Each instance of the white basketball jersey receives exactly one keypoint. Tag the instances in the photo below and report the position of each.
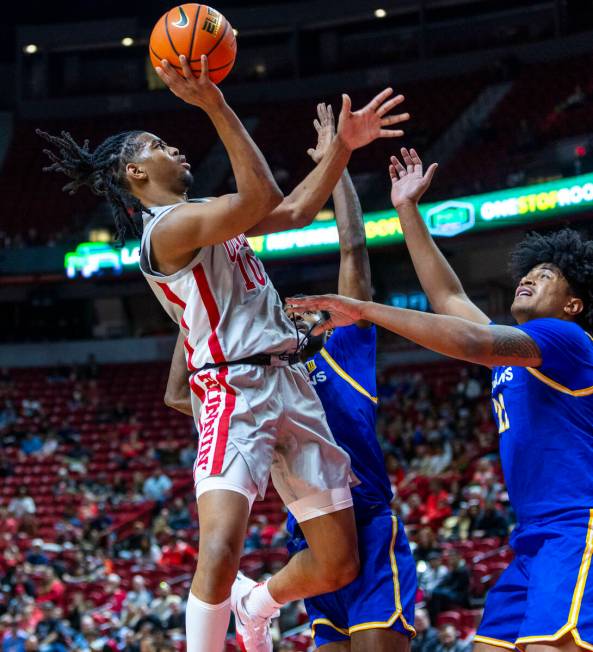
(223, 300)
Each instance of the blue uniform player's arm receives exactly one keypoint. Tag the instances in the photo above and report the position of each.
(451, 336)
(178, 393)
(355, 270)
(442, 286)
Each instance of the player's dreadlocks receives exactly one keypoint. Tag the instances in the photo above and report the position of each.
(570, 253)
(103, 171)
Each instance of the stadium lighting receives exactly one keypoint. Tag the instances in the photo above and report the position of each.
(235, 32)
(380, 13)
(30, 49)
(127, 41)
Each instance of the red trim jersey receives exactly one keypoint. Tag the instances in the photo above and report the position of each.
(223, 300)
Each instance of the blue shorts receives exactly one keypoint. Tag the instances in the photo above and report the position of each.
(381, 597)
(547, 590)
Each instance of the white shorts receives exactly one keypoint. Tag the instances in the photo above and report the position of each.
(273, 420)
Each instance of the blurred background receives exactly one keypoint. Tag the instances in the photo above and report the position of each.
(98, 531)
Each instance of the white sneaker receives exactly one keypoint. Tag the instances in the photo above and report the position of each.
(253, 632)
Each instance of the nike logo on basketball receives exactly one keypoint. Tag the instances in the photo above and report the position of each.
(183, 20)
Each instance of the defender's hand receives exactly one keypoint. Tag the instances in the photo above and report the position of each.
(198, 91)
(325, 127)
(343, 311)
(369, 123)
(409, 183)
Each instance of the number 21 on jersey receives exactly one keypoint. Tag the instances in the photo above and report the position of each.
(501, 414)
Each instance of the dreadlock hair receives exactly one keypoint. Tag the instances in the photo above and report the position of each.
(103, 171)
(572, 255)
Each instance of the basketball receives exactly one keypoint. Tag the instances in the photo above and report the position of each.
(193, 30)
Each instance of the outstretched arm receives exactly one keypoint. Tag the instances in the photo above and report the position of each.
(438, 280)
(355, 129)
(191, 226)
(451, 336)
(178, 393)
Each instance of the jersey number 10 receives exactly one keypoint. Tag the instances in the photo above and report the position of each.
(501, 414)
(247, 259)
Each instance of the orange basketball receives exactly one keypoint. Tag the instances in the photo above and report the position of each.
(193, 30)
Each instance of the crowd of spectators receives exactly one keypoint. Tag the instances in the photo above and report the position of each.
(92, 584)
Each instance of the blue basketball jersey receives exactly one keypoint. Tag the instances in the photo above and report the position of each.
(545, 422)
(344, 376)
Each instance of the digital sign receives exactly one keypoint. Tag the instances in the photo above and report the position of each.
(528, 206)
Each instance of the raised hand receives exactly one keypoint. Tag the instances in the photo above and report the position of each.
(343, 311)
(409, 183)
(198, 91)
(359, 128)
(325, 126)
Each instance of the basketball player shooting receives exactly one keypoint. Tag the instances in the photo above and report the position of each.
(376, 610)
(542, 394)
(252, 401)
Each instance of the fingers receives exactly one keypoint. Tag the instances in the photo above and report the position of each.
(408, 161)
(416, 160)
(432, 168)
(320, 328)
(394, 119)
(397, 166)
(204, 67)
(304, 302)
(185, 68)
(317, 126)
(390, 133)
(346, 105)
(389, 105)
(322, 113)
(311, 152)
(378, 100)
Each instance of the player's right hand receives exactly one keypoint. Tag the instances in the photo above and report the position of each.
(409, 183)
(359, 128)
(197, 91)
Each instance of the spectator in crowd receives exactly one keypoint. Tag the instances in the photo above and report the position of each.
(179, 518)
(36, 556)
(426, 638)
(431, 573)
(453, 589)
(8, 523)
(449, 640)
(51, 588)
(114, 596)
(31, 444)
(31, 407)
(425, 544)
(139, 596)
(67, 433)
(187, 456)
(178, 553)
(21, 504)
(53, 634)
(157, 487)
(14, 637)
(161, 605)
(491, 522)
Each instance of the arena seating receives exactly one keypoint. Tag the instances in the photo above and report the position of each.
(534, 113)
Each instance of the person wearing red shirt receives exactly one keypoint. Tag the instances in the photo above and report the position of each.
(52, 589)
(179, 553)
